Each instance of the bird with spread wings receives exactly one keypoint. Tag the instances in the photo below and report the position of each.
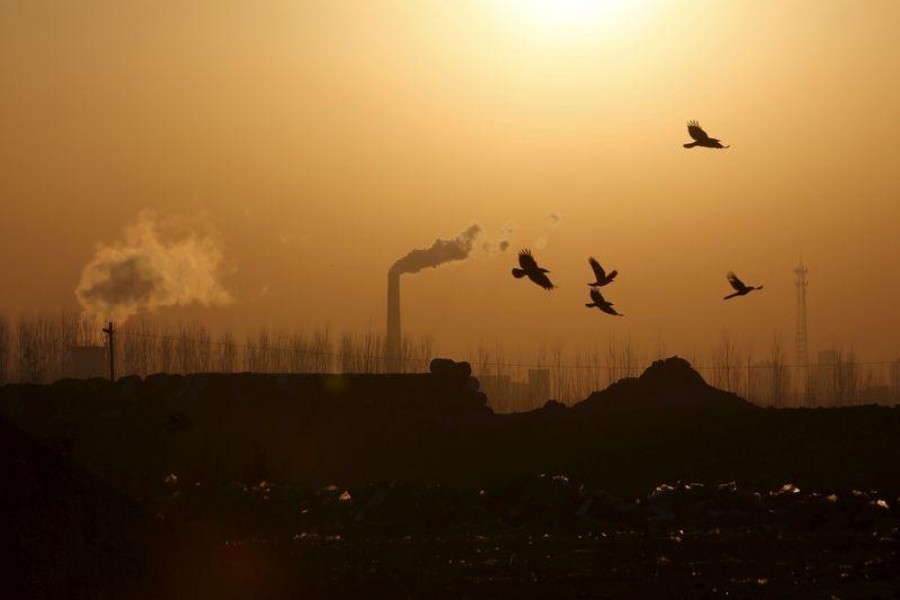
(741, 289)
(531, 270)
(700, 137)
(602, 277)
(602, 303)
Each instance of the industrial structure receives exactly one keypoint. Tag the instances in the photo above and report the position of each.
(393, 338)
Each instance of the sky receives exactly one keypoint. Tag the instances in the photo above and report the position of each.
(300, 148)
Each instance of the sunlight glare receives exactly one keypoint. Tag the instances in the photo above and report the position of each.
(573, 19)
(571, 12)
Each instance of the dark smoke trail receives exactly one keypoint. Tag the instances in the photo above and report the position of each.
(440, 252)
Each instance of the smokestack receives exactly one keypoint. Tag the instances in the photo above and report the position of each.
(392, 348)
(440, 252)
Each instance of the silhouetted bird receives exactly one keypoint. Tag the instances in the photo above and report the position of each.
(741, 288)
(531, 270)
(701, 138)
(600, 274)
(600, 302)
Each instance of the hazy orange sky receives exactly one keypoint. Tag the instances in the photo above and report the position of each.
(320, 141)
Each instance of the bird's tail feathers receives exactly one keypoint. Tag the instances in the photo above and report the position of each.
(691, 145)
(731, 296)
(590, 305)
(518, 273)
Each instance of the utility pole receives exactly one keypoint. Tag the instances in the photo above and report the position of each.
(111, 351)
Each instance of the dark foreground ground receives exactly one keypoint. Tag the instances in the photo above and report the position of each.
(247, 489)
(543, 537)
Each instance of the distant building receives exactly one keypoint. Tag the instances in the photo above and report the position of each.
(876, 394)
(506, 395)
(88, 361)
(539, 385)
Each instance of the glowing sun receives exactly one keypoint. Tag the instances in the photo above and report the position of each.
(573, 13)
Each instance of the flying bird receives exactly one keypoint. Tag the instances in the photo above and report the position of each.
(602, 277)
(741, 289)
(701, 138)
(531, 270)
(602, 303)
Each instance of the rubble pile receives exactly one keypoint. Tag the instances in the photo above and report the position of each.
(668, 383)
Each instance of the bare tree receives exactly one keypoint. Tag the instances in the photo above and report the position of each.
(426, 351)
(845, 379)
(660, 348)
(321, 350)
(558, 378)
(300, 360)
(228, 359)
(895, 382)
(612, 361)
(346, 354)
(726, 364)
(5, 367)
(778, 379)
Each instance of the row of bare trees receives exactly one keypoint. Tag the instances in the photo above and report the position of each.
(37, 349)
(837, 378)
(193, 349)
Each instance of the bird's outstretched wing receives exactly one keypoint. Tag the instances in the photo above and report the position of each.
(598, 270)
(735, 282)
(542, 280)
(597, 297)
(696, 132)
(608, 309)
(526, 260)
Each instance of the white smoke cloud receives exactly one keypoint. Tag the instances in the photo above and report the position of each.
(144, 272)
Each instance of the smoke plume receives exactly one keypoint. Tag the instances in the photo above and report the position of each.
(440, 252)
(500, 243)
(553, 219)
(145, 272)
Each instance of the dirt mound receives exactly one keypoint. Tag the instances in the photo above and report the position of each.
(669, 383)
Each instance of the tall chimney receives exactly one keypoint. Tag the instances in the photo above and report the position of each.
(392, 346)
